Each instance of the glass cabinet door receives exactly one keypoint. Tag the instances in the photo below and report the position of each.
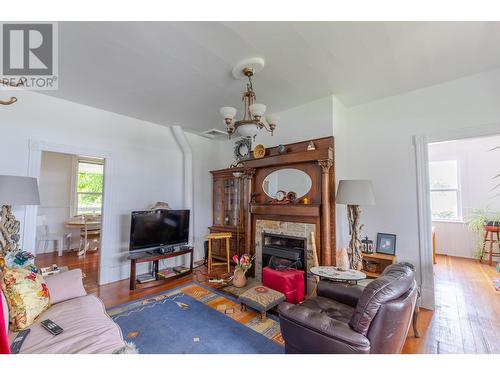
(218, 194)
(231, 201)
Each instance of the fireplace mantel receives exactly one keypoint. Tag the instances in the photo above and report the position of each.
(286, 209)
(320, 210)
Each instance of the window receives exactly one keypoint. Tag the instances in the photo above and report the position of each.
(89, 186)
(445, 193)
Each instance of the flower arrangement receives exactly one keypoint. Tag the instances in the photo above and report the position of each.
(244, 262)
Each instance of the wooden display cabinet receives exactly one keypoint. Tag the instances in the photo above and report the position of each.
(230, 204)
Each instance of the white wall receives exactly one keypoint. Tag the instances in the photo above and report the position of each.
(208, 155)
(55, 193)
(146, 162)
(374, 141)
(477, 166)
(307, 121)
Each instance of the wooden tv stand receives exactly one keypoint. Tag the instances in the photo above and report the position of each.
(155, 256)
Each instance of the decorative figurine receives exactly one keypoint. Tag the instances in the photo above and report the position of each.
(367, 246)
(281, 149)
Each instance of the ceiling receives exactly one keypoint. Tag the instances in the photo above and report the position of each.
(180, 72)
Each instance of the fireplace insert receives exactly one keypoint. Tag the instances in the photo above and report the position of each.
(292, 250)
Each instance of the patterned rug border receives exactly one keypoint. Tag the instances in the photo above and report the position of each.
(138, 301)
(169, 291)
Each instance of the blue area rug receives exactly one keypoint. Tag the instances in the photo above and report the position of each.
(191, 319)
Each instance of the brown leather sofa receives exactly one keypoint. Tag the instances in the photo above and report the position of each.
(346, 318)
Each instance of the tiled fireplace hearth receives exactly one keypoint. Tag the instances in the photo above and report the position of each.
(301, 230)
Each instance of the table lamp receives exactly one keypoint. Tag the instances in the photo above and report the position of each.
(14, 191)
(355, 193)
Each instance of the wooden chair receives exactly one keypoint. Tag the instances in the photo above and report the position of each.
(90, 233)
(490, 230)
(219, 236)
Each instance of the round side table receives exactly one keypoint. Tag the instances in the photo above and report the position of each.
(332, 273)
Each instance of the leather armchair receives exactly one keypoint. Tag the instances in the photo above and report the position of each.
(346, 318)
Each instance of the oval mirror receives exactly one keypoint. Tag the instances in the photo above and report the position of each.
(287, 180)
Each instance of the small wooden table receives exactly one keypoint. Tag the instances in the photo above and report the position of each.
(155, 257)
(332, 273)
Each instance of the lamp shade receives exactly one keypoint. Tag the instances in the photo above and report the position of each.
(227, 112)
(355, 192)
(272, 119)
(257, 109)
(247, 130)
(19, 191)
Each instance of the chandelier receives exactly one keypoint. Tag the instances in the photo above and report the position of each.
(253, 114)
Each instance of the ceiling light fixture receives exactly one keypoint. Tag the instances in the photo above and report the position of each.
(253, 114)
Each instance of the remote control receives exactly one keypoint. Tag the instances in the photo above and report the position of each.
(52, 327)
(15, 347)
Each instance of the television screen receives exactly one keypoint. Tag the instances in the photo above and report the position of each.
(159, 228)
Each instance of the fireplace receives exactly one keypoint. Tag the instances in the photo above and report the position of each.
(285, 247)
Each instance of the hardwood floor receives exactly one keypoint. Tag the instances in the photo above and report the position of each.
(466, 319)
(88, 264)
(467, 315)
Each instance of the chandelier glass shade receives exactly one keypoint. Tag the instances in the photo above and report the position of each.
(253, 114)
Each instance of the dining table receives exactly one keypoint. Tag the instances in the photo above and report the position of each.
(79, 223)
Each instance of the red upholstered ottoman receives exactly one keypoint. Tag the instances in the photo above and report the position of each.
(289, 282)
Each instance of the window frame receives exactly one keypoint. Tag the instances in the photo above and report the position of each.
(457, 190)
(74, 182)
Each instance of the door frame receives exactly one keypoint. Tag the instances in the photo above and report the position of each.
(421, 143)
(36, 147)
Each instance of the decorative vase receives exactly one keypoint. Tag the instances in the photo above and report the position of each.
(239, 279)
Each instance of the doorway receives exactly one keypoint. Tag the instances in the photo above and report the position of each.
(36, 150)
(421, 143)
(68, 227)
(464, 180)
(458, 195)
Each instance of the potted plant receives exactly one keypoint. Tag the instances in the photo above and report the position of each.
(243, 264)
(477, 221)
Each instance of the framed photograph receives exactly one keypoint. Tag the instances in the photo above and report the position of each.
(386, 243)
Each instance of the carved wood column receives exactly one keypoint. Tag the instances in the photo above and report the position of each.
(249, 173)
(326, 249)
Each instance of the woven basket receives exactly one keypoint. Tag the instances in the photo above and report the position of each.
(370, 266)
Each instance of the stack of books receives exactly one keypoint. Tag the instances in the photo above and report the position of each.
(166, 273)
(181, 269)
(144, 278)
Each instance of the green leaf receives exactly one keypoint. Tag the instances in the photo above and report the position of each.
(90, 182)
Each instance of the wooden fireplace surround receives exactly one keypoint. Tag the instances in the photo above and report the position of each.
(319, 165)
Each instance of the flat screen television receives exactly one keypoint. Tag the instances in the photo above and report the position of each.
(157, 228)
